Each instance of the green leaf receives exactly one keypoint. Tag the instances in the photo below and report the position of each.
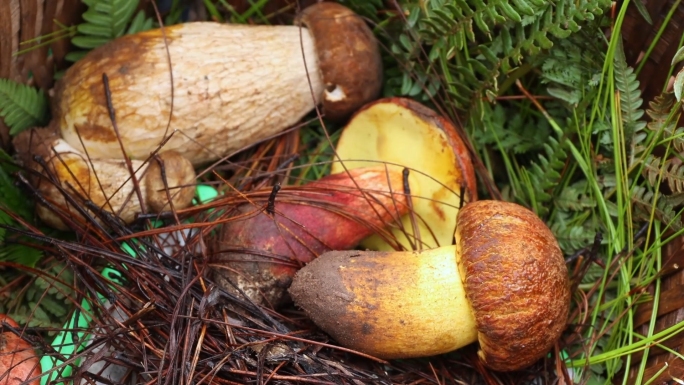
(21, 254)
(678, 85)
(21, 106)
(641, 7)
(105, 20)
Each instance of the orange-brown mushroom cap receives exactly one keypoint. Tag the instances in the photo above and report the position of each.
(516, 281)
(348, 57)
(18, 360)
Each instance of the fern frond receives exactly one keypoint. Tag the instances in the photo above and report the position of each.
(22, 106)
(572, 232)
(630, 94)
(106, 20)
(665, 212)
(664, 120)
(510, 130)
(523, 29)
(672, 171)
(544, 174)
(575, 198)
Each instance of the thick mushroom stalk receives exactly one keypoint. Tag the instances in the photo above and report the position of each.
(504, 284)
(165, 182)
(233, 85)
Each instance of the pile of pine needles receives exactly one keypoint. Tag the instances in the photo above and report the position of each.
(163, 321)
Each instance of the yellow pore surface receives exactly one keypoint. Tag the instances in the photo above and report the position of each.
(391, 133)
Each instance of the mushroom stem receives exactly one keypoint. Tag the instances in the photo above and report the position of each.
(388, 301)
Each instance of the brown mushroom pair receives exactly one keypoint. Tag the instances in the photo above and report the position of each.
(206, 90)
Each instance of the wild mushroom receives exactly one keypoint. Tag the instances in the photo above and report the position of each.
(18, 360)
(258, 252)
(62, 170)
(233, 85)
(504, 283)
(405, 134)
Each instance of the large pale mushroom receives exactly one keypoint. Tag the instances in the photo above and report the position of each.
(199, 91)
(233, 85)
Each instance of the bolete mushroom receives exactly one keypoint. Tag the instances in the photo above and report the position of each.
(258, 252)
(504, 283)
(233, 85)
(18, 360)
(403, 133)
(107, 183)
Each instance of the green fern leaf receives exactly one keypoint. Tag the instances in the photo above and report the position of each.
(575, 198)
(664, 211)
(22, 106)
(630, 94)
(572, 232)
(106, 20)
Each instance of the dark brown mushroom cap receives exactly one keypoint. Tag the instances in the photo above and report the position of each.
(516, 281)
(348, 57)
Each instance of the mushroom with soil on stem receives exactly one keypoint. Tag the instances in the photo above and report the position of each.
(18, 360)
(405, 134)
(504, 283)
(258, 252)
(233, 85)
(66, 178)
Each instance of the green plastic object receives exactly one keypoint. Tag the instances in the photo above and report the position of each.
(74, 337)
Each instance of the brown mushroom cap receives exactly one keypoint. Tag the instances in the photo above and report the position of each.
(348, 57)
(516, 281)
(18, 360)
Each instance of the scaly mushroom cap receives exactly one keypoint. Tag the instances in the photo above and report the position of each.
(516, 281)
(348, 57)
